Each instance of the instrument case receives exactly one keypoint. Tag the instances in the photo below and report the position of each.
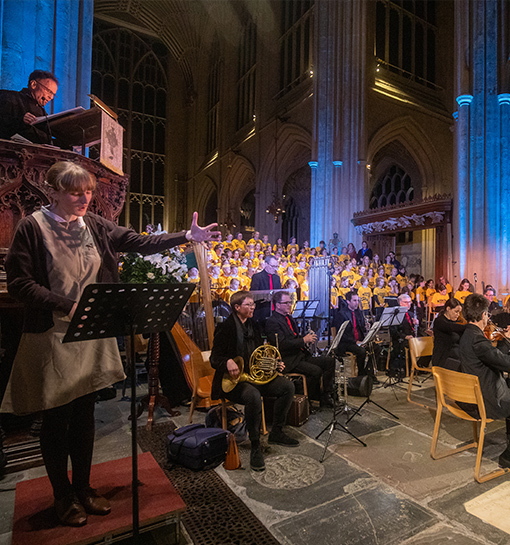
(197, 447)
(299, 410)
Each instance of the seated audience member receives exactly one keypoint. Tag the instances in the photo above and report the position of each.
(447, 334)
(237, 336)
(478, 357)
(282, 331)
(354, 333)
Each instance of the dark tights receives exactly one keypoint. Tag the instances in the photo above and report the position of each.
(68, 431)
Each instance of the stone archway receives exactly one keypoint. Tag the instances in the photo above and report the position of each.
(297, 191)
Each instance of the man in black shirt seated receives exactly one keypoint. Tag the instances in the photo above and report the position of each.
(400, 335)
(239, 335)
(282, 331)
(19, 109)
(354, 333)
(478, 357)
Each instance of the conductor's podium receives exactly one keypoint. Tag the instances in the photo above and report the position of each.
(35, 521)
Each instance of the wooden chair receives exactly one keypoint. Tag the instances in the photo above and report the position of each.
(452, 387)
(419, 347)
(226, 403)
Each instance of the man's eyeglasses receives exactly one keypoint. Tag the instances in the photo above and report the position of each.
(51, 93)
(285, 302)
(249, 305)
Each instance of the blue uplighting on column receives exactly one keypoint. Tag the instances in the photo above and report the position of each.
(54, 35)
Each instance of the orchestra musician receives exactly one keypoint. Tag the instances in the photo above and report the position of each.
(19, 109)
(267, 279)
(354, 333)
(56, 252)
(479, 357)
(240, 335)
(401, 333)
(282, 331)
(447, 334)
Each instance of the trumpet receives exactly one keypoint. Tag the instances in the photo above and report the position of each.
(262, 368)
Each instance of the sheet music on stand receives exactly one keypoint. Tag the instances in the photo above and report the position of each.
(370, 336)
(392, 316)
(338, 338)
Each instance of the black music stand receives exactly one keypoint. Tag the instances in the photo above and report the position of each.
(390, 316)
(334, 423)
(113, 310)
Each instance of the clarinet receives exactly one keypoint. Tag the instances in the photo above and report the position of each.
(416, 322)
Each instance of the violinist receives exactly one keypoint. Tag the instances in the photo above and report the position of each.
(478, 357)
(447, 333)
(501, 332)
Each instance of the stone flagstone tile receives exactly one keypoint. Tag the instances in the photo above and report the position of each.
(367, 517)
(401, 458)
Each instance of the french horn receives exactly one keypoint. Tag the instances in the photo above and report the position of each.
(261, 368)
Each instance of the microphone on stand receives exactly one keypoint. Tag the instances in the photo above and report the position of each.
(476, 280)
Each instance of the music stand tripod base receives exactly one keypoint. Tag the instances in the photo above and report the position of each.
(334, 424)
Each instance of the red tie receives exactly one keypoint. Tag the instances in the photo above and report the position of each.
(290, 325)
(356, 334)
(409, 319)
(271, 287)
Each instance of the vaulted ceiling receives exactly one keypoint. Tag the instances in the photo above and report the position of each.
(186, 27)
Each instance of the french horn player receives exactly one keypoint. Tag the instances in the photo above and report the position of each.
(236, 340)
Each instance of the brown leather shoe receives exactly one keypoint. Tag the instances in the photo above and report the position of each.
(92, 502)
(70, 511)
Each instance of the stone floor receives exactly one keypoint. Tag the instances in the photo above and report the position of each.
(390, 492)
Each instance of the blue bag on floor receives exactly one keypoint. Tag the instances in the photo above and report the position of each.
(197, 447)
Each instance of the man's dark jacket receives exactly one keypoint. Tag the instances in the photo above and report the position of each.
(13, 106)
(478, 357)
(260, 281)
(225, 347)
(345, 315)
(291, 347)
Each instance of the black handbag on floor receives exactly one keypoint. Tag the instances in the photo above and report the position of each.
(197, 447)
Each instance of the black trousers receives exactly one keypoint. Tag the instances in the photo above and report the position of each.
(314, 368)
(358, 351)
(68, 432)
(249, 395)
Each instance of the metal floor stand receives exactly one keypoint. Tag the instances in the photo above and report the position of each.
(337, 411)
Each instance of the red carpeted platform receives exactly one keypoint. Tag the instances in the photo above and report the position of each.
(35, 522)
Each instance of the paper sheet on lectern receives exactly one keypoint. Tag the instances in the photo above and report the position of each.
(112, 135)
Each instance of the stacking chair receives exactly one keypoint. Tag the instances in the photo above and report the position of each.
(453, 387)
(419, 347)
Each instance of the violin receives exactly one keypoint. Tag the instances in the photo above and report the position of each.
(495, 333)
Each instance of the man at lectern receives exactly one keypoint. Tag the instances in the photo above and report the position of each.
(56, 252)
(19, 109)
